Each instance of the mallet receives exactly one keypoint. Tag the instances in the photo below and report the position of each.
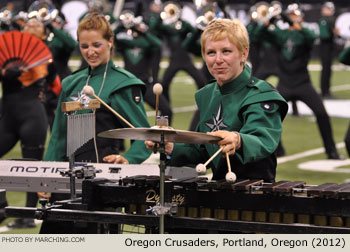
(230, 176)
(90, 92)
(201, 168)
(157, 90)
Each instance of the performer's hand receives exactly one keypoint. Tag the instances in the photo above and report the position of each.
(153, 146)
(336, 31)
(140, 29)
(42, 96)
(297, 26)
(231, 140)
(116, 159)
(286, 19)
(44, 195)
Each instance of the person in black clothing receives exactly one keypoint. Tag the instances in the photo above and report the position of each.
(175, 30)
(294, 45)
(23, 119)
(327, 34)
(153, 21)
(262, 49)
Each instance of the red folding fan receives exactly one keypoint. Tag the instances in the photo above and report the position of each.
(24, 50)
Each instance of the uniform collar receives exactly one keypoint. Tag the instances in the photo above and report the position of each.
(100, 69)
(241, 81)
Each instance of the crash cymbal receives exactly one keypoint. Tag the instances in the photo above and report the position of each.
(154, 134)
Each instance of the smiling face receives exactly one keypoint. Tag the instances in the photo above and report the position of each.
(95, 49)
(223, 59)
(225, 48)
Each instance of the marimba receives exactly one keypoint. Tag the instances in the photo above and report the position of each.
(286, 203)
(200, 205)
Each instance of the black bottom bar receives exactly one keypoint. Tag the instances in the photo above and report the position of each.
(172, 223)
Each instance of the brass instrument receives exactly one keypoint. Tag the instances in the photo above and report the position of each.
(171, 15)
(206, 13)
(130, 22)
(96, 6)
(5, 16)
(203, 21)
(127, 17)
(43, 10)
(263, 11)
(275, 9)
(260, 12)
(295, 9)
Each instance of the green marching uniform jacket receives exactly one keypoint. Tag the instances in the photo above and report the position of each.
(344, 56)
(326, 25)
(295, 48)
(122, 92)
(249, 106)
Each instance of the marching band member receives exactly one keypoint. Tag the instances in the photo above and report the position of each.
(49, 96)
(294, 45)
(245, 112)
(154, 20)
(327, 35)
(117, 87)
(175, 30)
(96, 6)
(23, 115)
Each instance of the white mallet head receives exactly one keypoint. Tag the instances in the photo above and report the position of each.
(88, 90)
(230, 177)
(201, 169)
(157, 89)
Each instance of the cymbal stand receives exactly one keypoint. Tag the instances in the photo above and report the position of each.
(164, 207)
(161, 121)
(162, 167)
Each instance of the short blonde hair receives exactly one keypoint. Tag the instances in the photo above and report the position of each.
(219, 29)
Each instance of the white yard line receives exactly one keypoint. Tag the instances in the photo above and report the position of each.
(341, 87)
(4, 229)
(176, 110)
(304, 154)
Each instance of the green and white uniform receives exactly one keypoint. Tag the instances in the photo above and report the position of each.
(121, 91)
(247, 105)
